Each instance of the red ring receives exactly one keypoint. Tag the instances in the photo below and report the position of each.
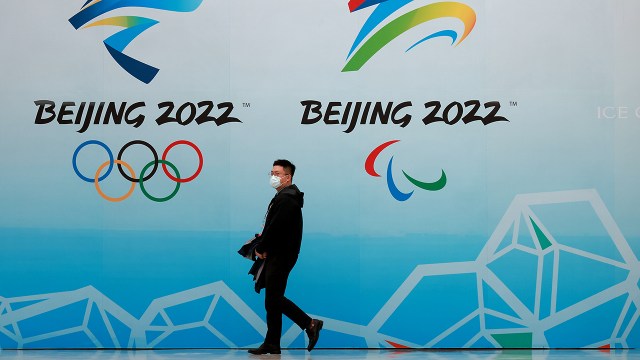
(164, 157)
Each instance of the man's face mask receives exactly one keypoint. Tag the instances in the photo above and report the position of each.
(275, 181)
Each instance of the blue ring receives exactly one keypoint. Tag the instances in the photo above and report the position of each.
(75, 155)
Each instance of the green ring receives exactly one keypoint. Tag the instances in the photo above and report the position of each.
(149, 196)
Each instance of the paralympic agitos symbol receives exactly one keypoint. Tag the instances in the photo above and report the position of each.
(143, 174)
(133, 26)
(393, 189)
(402, 23)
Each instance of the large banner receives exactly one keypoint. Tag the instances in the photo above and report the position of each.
(469, 171)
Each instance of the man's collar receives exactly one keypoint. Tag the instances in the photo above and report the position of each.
(278, 191)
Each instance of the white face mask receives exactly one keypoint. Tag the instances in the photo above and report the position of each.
(275, 181)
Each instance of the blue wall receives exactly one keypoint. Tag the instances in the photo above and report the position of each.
(491, 202)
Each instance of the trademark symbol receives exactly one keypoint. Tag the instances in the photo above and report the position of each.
(513, 103)
(246, 105)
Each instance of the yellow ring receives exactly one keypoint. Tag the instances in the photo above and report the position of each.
(97, 181)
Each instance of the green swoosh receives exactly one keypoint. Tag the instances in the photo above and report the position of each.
(434, 186)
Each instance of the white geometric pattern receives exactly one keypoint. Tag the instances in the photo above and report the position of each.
(217, 291)
(528, 320)
(530, 325)
(13, 312)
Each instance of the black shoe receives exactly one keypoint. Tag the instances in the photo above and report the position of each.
(265, 349)
(313, 332)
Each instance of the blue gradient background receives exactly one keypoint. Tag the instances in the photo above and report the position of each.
(57, 234)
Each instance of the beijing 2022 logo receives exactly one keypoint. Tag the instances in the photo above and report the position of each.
(133, 26)
(391, 184)
(144, 176)
(400, 24)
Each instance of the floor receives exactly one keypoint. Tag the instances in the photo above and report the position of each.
(321, 354)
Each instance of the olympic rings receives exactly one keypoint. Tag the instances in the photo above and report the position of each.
(164, 157)
(143, 178)
(155, 163)
(155, 159)
(97, 181)
(75, 157)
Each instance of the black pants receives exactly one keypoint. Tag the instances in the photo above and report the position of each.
(277, 271)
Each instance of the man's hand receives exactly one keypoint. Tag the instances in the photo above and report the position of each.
(261, 256)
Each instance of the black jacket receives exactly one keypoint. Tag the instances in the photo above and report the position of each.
(248, 251)
(282, 233)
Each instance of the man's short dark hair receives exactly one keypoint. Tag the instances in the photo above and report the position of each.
(286, 165)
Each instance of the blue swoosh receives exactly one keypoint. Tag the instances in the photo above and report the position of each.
(450, 33)
(381, 12)
(87, 14)
(393, 189)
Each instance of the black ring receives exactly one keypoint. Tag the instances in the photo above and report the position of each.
(155, 160)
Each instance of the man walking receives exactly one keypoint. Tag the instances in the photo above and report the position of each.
(280, 246)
